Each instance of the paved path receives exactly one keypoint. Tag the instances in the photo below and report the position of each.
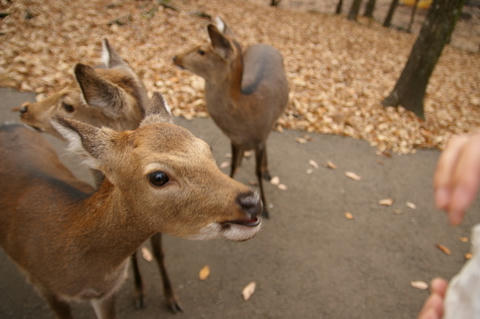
(309, 261)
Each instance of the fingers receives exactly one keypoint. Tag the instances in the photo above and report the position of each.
(445, 167)
(457, 177)
(466, 180)
(433, 307)
(439, 286)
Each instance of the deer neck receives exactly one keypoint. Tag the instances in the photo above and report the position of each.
(106, 228)
(230, 82)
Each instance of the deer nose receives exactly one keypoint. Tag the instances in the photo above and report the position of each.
(23, 109)
(250, 203)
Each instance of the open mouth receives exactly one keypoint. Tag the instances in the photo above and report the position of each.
(255, 221)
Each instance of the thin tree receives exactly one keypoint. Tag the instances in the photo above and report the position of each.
(391, 11)
(410, 88)
(412, 15)
(354, 9)
(369, 8)
(338, 10)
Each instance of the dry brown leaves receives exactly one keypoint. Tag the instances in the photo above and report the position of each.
(204, 273)
(248, 291)
(338, 71)
(444, 249)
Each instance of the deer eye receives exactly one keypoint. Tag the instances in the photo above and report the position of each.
(158, 178)
(68, 107)
(201, 52)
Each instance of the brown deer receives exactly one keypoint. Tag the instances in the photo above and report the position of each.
(113, 96)
(72, 242)
(245, 91)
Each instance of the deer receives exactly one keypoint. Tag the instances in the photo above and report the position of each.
(246, 91)
(72, 241)
(112, 96)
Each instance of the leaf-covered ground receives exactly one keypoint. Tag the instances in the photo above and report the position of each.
(339, 71)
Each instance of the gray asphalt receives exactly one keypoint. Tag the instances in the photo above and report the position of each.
(309, 261)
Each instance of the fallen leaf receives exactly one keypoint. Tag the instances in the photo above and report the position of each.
(468, 256)
(275, 180)
(309, 171)
(464, 239)
(386, 202)
(283, 187)
(331, 165)
(353, 176)
(313, 163)
(248, 291)
(419, 284)
(348, 215)
(301, 140)
(224, 164)
(146, 254)
(444, 249)
(411, 205)
(204, 273)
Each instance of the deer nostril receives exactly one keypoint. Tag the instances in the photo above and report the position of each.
(24, 109)
(250, 203)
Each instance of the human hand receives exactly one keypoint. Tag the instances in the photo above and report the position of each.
(434, 307)
(457, 177)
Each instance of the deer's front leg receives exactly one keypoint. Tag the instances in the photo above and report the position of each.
(237, 155)
(61, 308)
(139, 294)
(172, 302)
(104, 308)
(259, 158)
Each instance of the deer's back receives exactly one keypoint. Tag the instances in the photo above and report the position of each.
(33, 181)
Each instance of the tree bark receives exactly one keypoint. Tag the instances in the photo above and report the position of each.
(412, 16)
(391, 11)
(338, 10)
(354, 9)
(369, 8)
(409, 91)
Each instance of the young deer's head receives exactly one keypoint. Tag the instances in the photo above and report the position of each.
(112, 96)
(165, 179)
(213, 60)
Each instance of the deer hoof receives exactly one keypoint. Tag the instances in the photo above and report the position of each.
(266, 176)
(265, 214)
(173, 305)
(139, 304)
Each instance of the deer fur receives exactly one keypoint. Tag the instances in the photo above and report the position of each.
(245, 90)
(73, 242)
(112, 96)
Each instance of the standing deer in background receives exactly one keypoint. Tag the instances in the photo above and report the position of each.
(114, 97)
(245, 91)
(73, 243)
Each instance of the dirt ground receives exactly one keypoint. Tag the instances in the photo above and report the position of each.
(309, 261)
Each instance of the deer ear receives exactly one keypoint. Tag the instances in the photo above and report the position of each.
(98, 92)
(90, 142)
(221, 44)
(111, 58)
(223, 27)
(157, 111)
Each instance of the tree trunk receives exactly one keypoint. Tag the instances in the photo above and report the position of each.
(369, 8)
(410, 88)
(391, 11)
(412, 16)
(338, 10)
(354, 9)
